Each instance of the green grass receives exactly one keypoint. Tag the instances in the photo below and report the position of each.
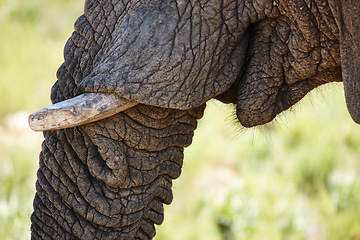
(33, 34)
(296, 178)
(16, 190)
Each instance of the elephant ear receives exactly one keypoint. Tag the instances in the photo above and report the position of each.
(350, 55)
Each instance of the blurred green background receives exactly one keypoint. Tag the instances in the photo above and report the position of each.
(296, 178)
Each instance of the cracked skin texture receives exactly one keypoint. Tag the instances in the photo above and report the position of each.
(110, 179)
(288, 56)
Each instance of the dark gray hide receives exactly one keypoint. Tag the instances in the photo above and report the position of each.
(350, 54)
(109, 179)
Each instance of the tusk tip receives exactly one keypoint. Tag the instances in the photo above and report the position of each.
(83, 109)
(36, 121)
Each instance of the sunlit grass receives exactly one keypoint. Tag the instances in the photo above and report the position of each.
(296, 178)
(16, 190)
(33, 34)
(18, 162)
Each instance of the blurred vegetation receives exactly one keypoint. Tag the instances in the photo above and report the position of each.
(33, 34)
(296, 178)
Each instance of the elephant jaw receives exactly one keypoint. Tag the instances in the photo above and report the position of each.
(85, 108)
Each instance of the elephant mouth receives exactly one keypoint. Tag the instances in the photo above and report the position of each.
(80, 110)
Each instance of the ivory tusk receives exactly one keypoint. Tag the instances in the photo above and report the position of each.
(85, 108)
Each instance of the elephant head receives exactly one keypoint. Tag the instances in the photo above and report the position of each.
(135, 79)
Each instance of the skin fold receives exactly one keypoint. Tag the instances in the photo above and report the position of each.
(109, 179)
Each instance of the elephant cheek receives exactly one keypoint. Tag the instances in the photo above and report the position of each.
(283, 64)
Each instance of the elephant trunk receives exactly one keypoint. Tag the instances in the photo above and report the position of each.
(109, 179)
(106, 179)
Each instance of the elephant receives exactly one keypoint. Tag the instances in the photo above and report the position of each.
(136, 78)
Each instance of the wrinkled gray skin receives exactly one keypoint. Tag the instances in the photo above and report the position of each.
(109, 179)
